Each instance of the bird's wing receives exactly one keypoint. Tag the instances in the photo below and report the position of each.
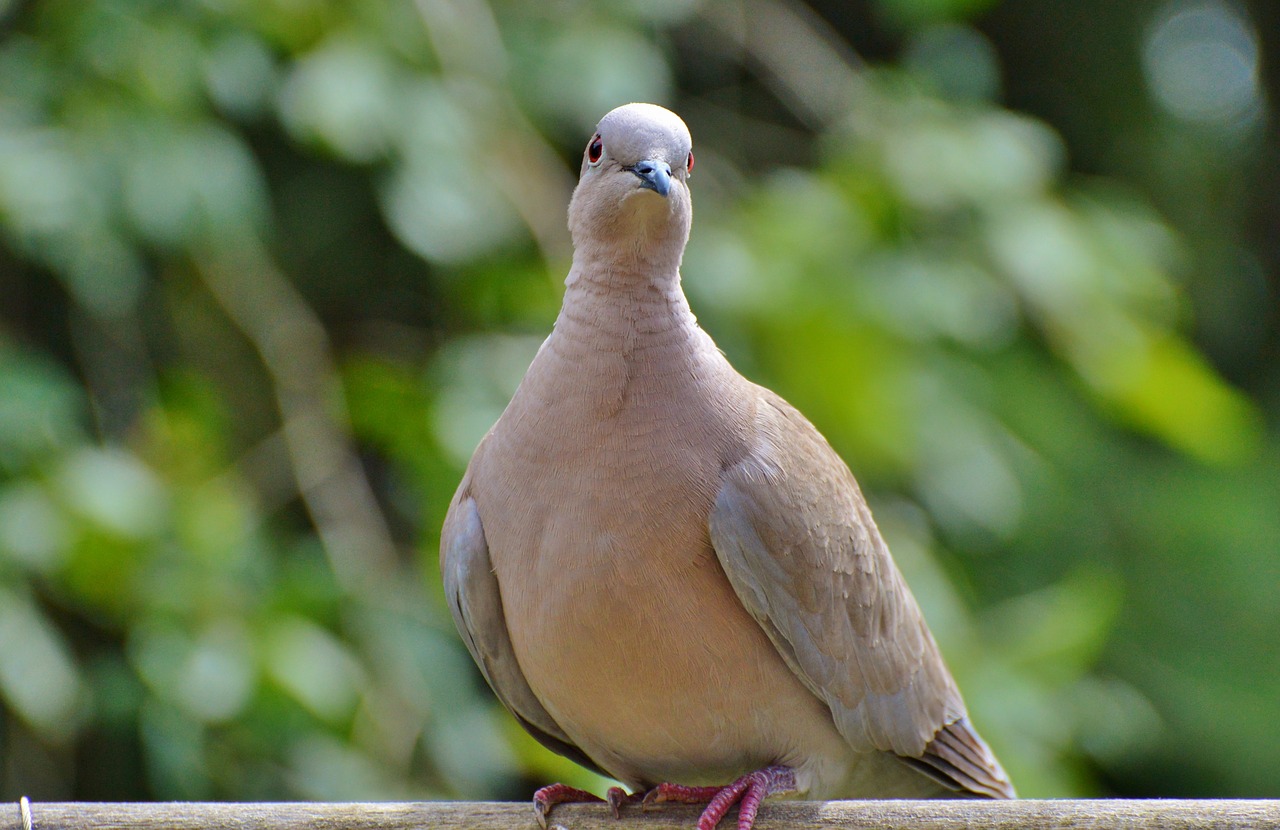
(797, 542)
(475, 599)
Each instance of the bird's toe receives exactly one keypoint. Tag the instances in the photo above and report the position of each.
(549, 796)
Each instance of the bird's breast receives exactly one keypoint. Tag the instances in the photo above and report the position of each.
(627, 627)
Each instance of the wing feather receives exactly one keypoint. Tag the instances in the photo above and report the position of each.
(797, 541)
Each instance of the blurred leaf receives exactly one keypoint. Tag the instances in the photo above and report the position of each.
(187, 183)
(442, 201)
(580, 68)
(32, 529)
(115, 491)
(476, 378)
(313, 666)
(1058, 631)
(38, 676)
(325, 769)
(344, 94)
(40, 408)
(1164, 386)
(175, 749)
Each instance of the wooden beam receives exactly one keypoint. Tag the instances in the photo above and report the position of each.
(781, 815)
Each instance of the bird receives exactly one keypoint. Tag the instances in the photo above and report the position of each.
(664, 571)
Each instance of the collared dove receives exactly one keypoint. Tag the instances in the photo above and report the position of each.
(664, 571)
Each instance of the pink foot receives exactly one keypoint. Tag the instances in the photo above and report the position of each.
(748, 791)
(618, 796)
(679, 794)
(548, 797)
(661, 794)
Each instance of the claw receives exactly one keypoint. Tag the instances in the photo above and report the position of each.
(548, 797)
(617, 797)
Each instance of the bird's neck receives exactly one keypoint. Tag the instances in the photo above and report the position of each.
(647, 256)
(621, 303)
(626, 349)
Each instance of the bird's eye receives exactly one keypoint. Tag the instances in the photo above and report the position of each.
(688, 165)
(595, 150)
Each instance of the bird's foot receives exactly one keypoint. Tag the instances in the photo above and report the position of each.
(548, 797)
(748, 791)
(618, 796)
(677, 794)
(661, 794)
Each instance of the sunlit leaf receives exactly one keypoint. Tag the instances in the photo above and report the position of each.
(38, 676)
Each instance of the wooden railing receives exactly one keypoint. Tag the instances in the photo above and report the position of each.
(780, 815)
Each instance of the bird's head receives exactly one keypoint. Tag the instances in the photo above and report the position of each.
(633, 196)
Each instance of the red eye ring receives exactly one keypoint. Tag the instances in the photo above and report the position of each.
(595, 150)
(689, 164)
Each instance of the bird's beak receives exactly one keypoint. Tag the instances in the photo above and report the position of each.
(654, 175)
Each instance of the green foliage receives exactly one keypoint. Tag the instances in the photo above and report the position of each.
(271, 269)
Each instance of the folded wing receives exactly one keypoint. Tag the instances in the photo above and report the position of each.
(796, 539)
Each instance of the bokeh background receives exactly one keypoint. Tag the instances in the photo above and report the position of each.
(270, 268)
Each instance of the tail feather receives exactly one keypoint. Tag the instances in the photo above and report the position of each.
(961, 761)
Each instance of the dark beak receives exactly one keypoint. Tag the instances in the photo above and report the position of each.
(654, 175)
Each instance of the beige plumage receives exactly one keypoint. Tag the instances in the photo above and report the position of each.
(663, 570)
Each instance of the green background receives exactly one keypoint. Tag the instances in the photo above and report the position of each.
(269, 268)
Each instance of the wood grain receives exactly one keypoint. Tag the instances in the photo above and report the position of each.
(811, 815)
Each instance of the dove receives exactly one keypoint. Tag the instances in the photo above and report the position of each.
(664, 571)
